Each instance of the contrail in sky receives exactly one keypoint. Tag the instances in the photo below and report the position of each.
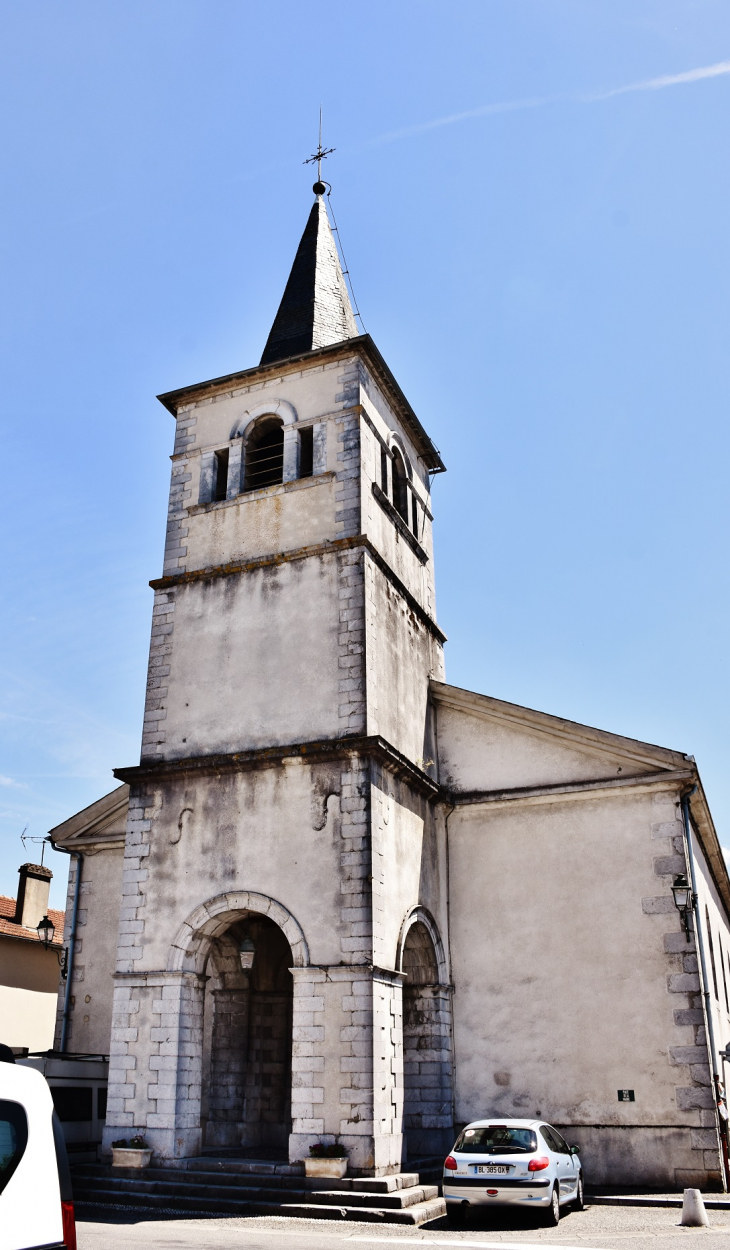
(512, 106)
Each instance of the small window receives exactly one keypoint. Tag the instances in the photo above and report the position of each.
(265, 454)
(400, 485)
(13, 1139)
(384, 470)
(220, 486)
(72, 1102)
(101, 1103)
(414, 514)
(306, 452)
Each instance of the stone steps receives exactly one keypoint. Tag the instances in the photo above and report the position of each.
(251, 1187)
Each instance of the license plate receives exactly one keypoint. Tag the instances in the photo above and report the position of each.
(493, 1169)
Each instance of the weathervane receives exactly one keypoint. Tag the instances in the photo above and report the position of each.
(319, 187)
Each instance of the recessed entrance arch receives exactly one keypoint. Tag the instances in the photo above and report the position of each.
(427, 1047)
(244, 946)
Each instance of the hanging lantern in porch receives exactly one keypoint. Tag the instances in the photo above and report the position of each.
(246, 952)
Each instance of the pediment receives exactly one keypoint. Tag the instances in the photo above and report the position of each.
(102, 821)
(489, 745)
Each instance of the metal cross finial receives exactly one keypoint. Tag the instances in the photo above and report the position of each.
(321, 152)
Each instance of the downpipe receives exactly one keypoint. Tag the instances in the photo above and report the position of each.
(705, 987)
(66, 1018)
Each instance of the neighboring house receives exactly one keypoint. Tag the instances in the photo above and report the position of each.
(357, 903)
(29, 973)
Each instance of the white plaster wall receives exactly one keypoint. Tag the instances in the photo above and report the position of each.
(559, 916)
(254, 660)
(254, 830)
(260, 523)
(96, 944)
(478, 752)
(401, 656)
(720, 931)
(28, 1018)
(311, 391)
(409, 864)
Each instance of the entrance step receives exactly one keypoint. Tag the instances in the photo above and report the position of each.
(202, 1187)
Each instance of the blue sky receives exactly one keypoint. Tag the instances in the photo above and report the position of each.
(545, 269)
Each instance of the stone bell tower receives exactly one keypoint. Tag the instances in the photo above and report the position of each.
(285, 833)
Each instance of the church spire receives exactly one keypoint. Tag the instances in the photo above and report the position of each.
(315, 309)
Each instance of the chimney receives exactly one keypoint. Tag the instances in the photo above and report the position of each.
(33, 889)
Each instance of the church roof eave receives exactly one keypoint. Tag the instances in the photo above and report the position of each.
(678, 767)
(362, 345)
(600, 741)
(102, 821)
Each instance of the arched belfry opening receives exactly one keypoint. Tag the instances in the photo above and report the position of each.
(400, 485)
(246, 1096)
(264, 454)
(427, 1048)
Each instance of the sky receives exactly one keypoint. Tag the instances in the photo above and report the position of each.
(533, 203)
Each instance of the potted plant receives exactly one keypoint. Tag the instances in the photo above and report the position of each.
(329, 1161)
(134, 1153)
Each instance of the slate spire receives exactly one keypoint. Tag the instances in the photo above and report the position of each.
(315, 309)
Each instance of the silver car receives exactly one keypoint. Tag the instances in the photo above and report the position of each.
(522, 1163)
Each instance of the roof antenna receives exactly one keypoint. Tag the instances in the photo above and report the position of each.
(319, 187)
(25, 838)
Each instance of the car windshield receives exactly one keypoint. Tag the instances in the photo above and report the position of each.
(497, 1139)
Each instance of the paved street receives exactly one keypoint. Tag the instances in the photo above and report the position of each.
(598, 1228)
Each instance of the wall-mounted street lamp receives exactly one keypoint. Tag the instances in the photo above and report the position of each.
(246, 952)
(45, 930)
(684, 901)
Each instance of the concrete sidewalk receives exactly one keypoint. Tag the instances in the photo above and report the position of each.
(713, 1202)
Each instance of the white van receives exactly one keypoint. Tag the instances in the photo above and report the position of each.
(36, 1203)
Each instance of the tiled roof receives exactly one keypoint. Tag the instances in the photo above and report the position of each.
(8, 927)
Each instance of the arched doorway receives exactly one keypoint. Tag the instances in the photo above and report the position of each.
(246, 1096)
(427, 1050)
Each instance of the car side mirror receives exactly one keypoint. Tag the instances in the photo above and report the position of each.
(575, 1150)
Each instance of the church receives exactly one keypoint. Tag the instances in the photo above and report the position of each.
(339, 900)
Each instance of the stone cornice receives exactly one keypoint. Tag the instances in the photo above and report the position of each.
(372, 747)
(664, 780)
(362, 346)
(233, 567)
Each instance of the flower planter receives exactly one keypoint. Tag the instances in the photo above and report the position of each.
(334, 1169)
(130, 1158)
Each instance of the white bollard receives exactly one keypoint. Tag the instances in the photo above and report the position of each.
(693, 1210)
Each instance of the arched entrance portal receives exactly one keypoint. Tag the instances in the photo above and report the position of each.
(427, 1053)
(246, 1096)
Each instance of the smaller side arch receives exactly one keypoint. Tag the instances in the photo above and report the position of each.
(420, 915)
(428, 1110)
(280, 408)
(190, 946)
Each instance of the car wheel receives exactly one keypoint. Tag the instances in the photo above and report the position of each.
(578, 1203)
(552, 1215)
(456, 1213)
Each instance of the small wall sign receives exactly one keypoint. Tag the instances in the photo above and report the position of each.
(626, 1095)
